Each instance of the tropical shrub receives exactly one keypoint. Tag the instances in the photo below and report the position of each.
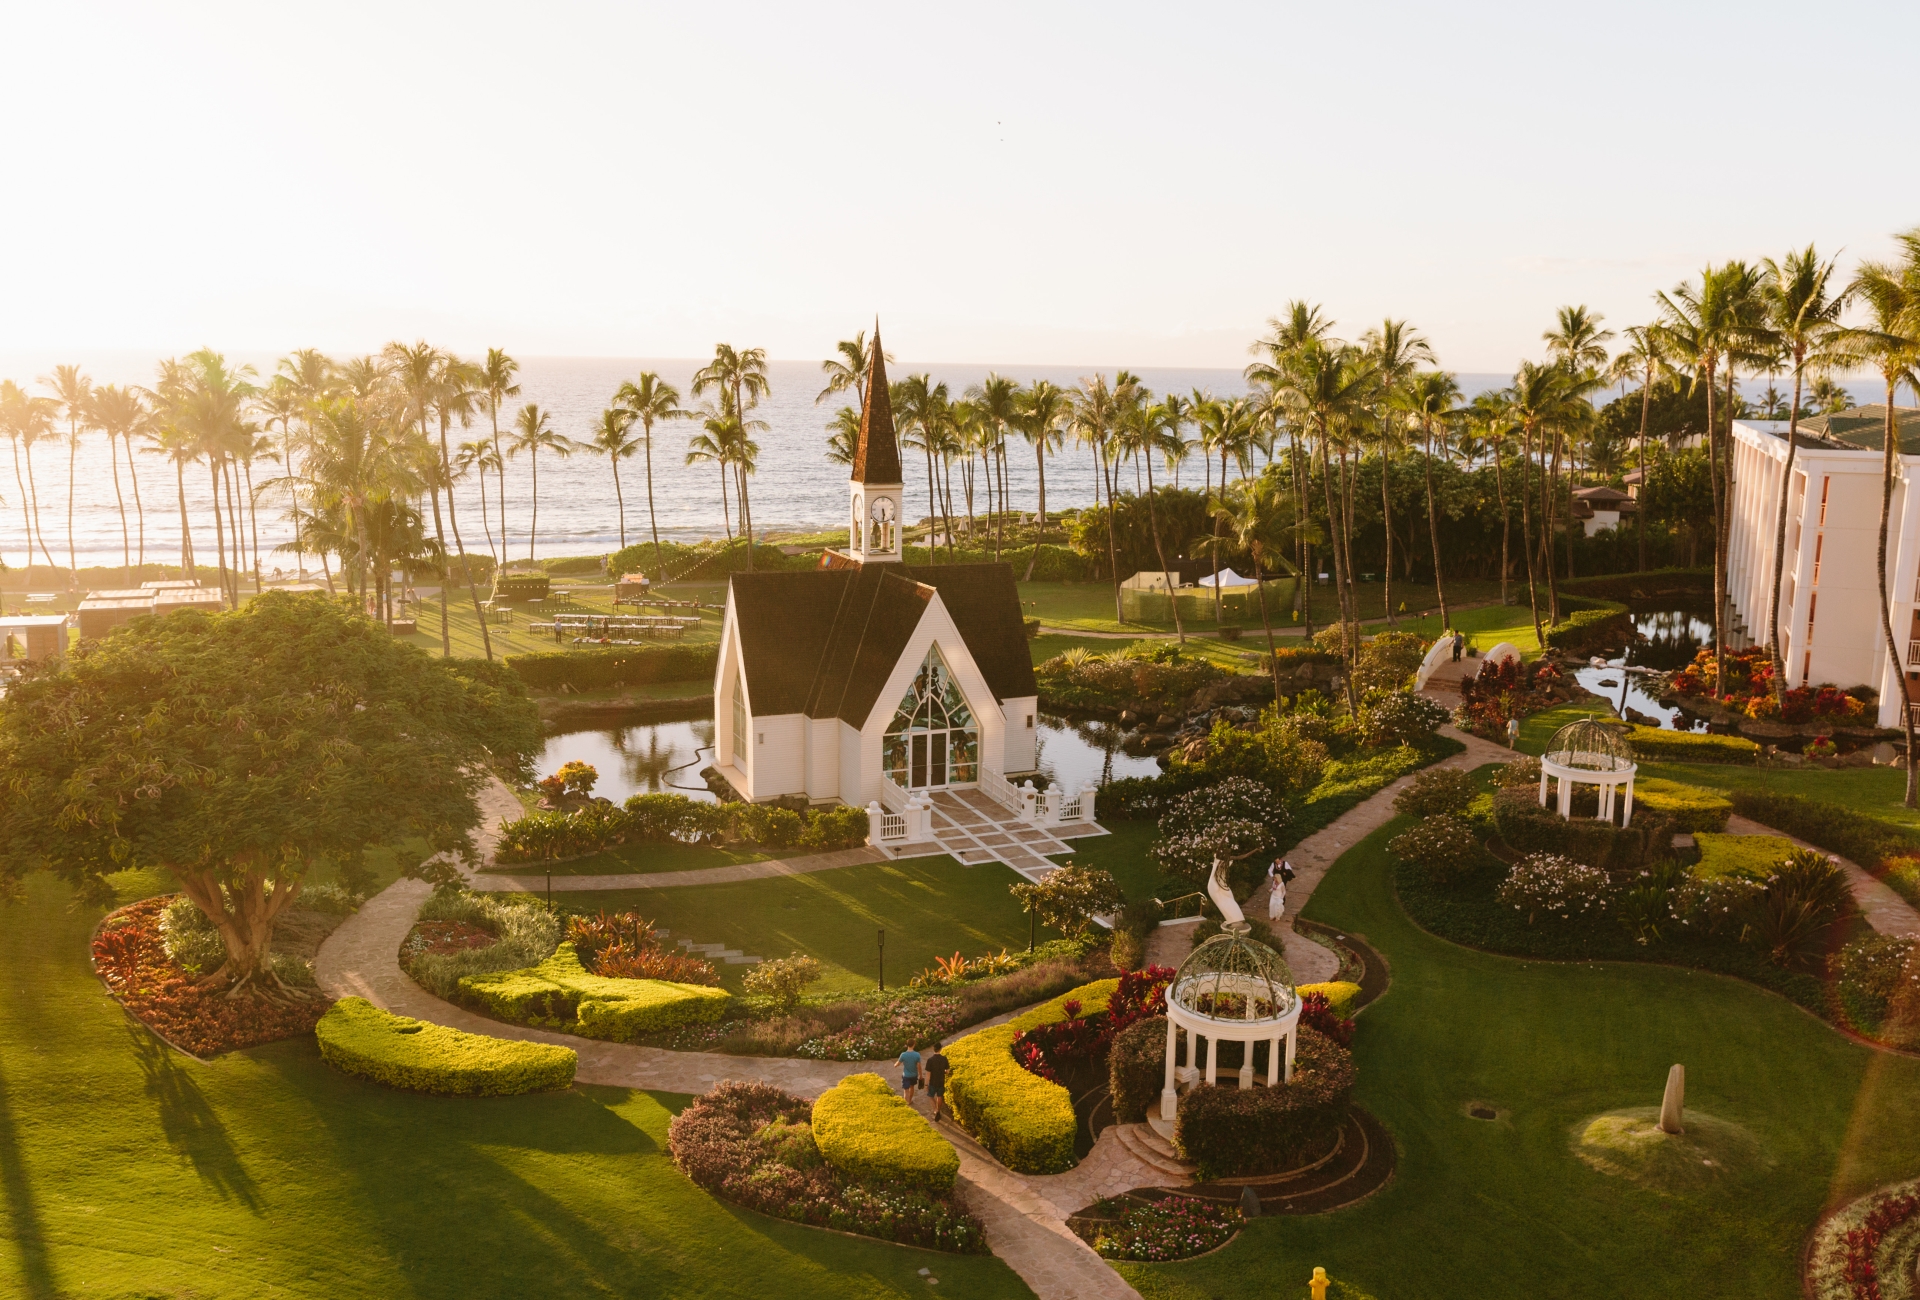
(549, 836)
(359, 1038)
(867, 1132)
(1316, 1011)
(1501, 691)
(1658, 745)
(1902, 874)
(1878, 978)
(1548, 885)
(1142, 675)
(1521, 771)
(1069, 897)
(1863, 839)
(525, 933)
(619, 961)
(1234, 1132)
(191, 941)
(1340, 994)
(1804, 895)
(1082, 1035)
(560, 993)
(1137, 1068)
(782, 980)
(1437, 790)
(1388, 662)
(1716, 905)
(1279, 752)
(1690, 807)
(1444, 846)
(747, 1143)
(1399, 718)
(1235, 820)
(1026, 1122)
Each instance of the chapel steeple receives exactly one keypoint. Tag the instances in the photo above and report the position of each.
(876, 458)
(874, 511)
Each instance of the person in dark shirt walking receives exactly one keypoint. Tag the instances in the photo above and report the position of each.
(935, 1067)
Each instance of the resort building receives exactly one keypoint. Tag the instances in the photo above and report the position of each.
(1600, 508)
(1829, 590)
(869, 680)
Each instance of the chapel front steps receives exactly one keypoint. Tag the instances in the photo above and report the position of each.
(973, 829)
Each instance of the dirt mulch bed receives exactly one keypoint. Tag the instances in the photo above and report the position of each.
(443, 937)
(132, 961)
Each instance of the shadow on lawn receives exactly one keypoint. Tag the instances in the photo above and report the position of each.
(23, 1215)
(190, 1124)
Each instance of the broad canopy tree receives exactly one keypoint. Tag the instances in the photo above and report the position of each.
(240, 751)
(1231, 822)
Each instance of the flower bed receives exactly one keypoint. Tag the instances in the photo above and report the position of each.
(1548, 885)
(131, 957)
(753, 1145)
(359, 1038)
(549, 836)
(1505, 690)
(1876, 1237)
(1174, 1227)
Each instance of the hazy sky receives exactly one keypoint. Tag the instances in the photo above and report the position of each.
(1108, 184)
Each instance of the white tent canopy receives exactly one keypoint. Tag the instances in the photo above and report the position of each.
(1227, 579)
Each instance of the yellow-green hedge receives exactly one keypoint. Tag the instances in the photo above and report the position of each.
(867, 1132)
(1027, 1122)
(1340, 995)
(360, 1038)
(560, 992)
(1657, 744)
(1693, 808)
(1722, 855)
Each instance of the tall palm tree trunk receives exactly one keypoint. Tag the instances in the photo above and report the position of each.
(33, 493)
(1113, 542)
(620, 501)
(73, 556)
(1040, 519)
(1550, 516)
(1153, 522)
(1526, 529)
(233, 527)
(1347, 629)
(219, 532)
(1213, 550)
(188, 569)
(933, 497)
(126, 539)
(293, 499)
(1433, 524)
(1719, 559)
(1506, 522)
(1646, 407)
(253, 525)
(453, 518)
(26, 520)
(1386, 527)
(139, 509)
(446, 575)
(533, 527)
(653, 523)
(1779, 534)
(1889, 468)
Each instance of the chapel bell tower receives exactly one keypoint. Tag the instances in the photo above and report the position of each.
(878, 495)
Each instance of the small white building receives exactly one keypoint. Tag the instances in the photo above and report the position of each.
(1600, 508)
(1829, 591)
(834, 682)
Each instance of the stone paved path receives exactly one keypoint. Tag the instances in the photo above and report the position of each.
(1885, 910)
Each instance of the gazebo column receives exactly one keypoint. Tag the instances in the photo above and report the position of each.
(1273, 1061)
(1169, 1098)
(1566, 796)
(1627, 819)
(1606, 801)
(1543, 785)
(1246, 1063)
(1213, 1060)
(1292, 1035)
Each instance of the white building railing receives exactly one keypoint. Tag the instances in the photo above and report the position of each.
(905, 818)
(1001, 791)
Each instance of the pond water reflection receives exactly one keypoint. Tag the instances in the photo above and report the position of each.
(1672, 638)
(667, 756)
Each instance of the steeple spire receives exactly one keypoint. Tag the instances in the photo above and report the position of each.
(876, 458)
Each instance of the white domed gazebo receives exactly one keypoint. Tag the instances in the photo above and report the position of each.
(1589, 752)
(1235, 989)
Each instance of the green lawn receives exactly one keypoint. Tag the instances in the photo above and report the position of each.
(130, 1171)
(929, 907)
(1123, 854)
(1089, 605)
(1502, 1209)
(637, 859)
(463, 630)
(1875, 791)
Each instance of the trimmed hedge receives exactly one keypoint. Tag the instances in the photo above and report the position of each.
(587, 670)
(1530, 828)
(868, 1132)
(1026, 1122)
(1658, 745)
(1231, 1132)
(560, 993)
(1855, 836)
(1690, 807)
(1725, 855)
(359, 1038)
(1591, 629)
(549, 836)
(1137, 1069)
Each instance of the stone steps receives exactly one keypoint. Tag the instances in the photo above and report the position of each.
(1152, 1150)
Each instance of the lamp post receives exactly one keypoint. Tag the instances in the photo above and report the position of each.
(883, 961)
(1030, 927)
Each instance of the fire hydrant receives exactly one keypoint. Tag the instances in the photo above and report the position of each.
(1320, 1283)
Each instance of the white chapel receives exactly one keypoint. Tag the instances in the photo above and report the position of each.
(866, 677)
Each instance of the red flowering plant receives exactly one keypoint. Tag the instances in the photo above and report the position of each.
(1503, 690)
(1317, 1011)
(1047, 1049)
(129, 954)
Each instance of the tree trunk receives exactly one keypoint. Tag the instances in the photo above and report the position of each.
(139, 510)
(1040, 520)
(1153, 522)
(1526, 530)
(1347, 629)
(33, 493)
(1780, 533)
(1640, 515)
(1433, 525)
(73, 556)
(187, 566)
(26, 520)
(1386, 527)
(620, 501)
(1506, 522)
(1719, 560)
(126, 541)
(244, 913)
(1890, 467)
(653, 522)
(219, 532)
(1113, 545)
(253, 525)
(453, 518)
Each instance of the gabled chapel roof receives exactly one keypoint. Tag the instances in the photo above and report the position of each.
(823, 642)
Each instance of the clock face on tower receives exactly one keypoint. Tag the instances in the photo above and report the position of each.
(882, 511)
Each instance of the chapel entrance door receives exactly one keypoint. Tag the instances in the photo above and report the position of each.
(933, 740)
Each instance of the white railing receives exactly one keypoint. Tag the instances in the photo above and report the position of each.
(1072, 808)
(892, 796)
(906, 818)
(1001, 791)
(885, 826)
(1913, 652)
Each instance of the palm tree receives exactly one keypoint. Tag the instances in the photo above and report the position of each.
(1804, 316)
(307, 375)
(1827, 396)
(996, 398)
(497, 384)
(120, 413)
(1491, 413)
(480, 459)
(1258, 527)
(1644, 358)
(741, 374)
(712, 446)
(1152, 428)
(1890, 343)
(1303, 324)
(1428, 398)
(1579, 345)
(1039, 414)
(71, 390)
(456, 393)
(1396, 350)
(612, 438)
(843, 436)
(27, 419)
(422, 373)
(532, 431)
(1328, 383)
(1536, 402)
(648, 399)
(1096, 417)
(281, 401)
(847, 368)
(920, 406)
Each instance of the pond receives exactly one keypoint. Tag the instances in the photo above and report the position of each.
(667, 756)
(1671, 638)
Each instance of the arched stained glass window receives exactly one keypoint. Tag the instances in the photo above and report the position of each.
(933, 739)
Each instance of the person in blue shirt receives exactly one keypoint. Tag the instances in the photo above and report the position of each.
(909, 1073)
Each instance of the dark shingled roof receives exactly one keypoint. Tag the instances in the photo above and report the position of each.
(876, 458)
(823, 642)
(1866, 427)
